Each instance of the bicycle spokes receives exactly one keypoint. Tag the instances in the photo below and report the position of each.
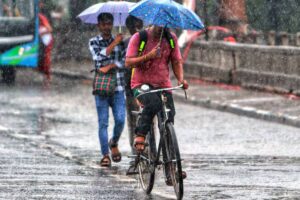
(174, 161)
(146, 164)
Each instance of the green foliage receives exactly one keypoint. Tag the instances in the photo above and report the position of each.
(278, 15)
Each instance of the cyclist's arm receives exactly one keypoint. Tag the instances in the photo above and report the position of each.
(132, 62)
(177, 67)
(132, 57)
(178, 72)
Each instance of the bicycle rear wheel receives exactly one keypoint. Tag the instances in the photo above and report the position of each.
(174, 161)
(146, 165)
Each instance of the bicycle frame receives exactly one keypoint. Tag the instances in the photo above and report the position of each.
(147, 161)
(162, 118)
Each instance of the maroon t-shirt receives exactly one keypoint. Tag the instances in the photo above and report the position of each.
(155, 71)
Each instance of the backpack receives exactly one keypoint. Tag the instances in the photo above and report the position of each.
(143, 42)
(144, 38)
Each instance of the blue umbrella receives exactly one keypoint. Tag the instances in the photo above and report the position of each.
(166, 13)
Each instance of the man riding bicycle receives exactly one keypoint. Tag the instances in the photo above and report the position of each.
(151, 67)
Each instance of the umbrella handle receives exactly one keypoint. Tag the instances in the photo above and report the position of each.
(120, 28)
(162, 33)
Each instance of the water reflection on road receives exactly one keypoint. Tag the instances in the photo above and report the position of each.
(226, 156)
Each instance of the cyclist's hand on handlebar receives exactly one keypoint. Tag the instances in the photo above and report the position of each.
(184, 83)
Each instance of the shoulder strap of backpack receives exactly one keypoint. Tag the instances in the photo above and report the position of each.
(143, 41)
(144, 38)
(142, 45)
(170, 39)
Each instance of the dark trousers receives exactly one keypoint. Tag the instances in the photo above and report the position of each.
(130, 106)
(152, 105)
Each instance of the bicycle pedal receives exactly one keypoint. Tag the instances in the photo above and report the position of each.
(159, 163)
(136, 113)
(132, 171)
(132, 156)
(174, 161)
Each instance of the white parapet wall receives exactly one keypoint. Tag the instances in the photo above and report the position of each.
(259, 66)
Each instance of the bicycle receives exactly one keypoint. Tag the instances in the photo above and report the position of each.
(167, 149)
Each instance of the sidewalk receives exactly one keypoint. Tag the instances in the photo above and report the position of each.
(268, 106)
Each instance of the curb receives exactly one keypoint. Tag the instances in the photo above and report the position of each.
(208, 103)
(239, 110)
(68, 74)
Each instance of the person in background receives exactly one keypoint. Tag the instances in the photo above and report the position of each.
(108, 52)
(6, 11)
(46, 45)
(9, 10)
(133, 25)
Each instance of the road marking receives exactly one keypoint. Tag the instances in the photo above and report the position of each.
(255, 99)
(295, 108)
(2, 128)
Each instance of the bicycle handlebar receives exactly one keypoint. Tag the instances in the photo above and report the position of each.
(164, 89)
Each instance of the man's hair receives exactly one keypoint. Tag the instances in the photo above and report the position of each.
(105, 17)
(131, 20)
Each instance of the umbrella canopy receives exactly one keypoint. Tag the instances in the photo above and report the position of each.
(119, 9)
(166, 13)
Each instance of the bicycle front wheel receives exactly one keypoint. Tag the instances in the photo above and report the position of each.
(147, 164)
(174, 161)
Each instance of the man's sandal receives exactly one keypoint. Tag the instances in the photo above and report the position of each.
(105, 161)
(139, 143)
(116, 156)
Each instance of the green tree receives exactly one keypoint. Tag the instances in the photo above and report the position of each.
(278, 15)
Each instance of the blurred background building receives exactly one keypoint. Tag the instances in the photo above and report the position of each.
(259, 15)
(264, 22)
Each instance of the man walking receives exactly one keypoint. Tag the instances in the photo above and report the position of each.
(108, 53)
(133, 25)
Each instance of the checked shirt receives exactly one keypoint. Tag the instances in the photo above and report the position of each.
(97, 46)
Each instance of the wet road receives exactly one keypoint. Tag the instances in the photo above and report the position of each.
(226, 156)
(27, 172)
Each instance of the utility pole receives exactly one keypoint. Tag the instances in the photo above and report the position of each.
(273, 14)
(205, 18)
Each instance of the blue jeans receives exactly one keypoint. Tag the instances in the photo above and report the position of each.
(117, 103)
